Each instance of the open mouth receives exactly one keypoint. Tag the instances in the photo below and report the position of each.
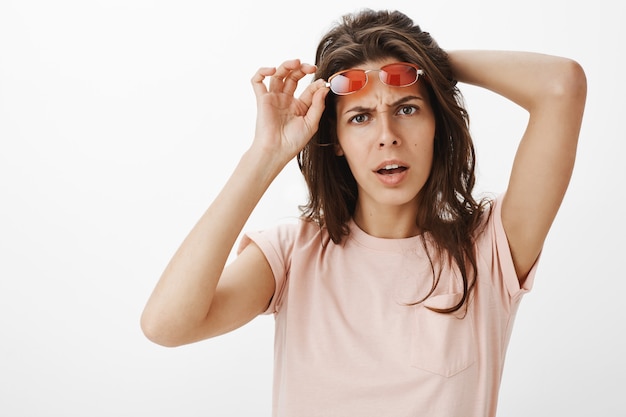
(391, 169)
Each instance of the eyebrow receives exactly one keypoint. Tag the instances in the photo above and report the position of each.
(405, 99)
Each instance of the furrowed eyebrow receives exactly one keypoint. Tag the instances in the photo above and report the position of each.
(361, 109)
(406, 99)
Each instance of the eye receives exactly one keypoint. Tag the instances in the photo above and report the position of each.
(407, 110)
(359, 119)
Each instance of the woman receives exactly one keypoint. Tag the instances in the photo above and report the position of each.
(395, 293)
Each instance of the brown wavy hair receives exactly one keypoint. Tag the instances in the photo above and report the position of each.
(447, 213)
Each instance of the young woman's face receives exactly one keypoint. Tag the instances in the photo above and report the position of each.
(386, 135)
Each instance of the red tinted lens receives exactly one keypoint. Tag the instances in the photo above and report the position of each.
(348, 81)
(398, 75)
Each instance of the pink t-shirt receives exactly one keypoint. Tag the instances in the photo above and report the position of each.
(348, 344)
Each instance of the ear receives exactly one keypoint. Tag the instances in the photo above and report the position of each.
(338, 150)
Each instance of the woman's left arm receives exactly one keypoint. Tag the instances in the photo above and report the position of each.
(553, 90)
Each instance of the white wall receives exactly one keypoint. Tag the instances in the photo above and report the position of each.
(119, 122)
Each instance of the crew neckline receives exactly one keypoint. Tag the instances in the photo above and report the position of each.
(380, 243)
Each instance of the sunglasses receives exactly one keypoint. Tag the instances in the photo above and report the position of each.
(401, 74)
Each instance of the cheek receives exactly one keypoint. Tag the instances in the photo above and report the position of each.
(348, 146)
(424, 140)
(425, 146)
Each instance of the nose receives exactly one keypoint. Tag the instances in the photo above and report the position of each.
(387, 134)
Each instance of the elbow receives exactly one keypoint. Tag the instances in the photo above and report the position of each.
(570, 82)
(156, 331)
(563, 89)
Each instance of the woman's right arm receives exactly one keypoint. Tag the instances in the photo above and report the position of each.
(197, 296)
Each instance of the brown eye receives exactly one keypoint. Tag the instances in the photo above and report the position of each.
(359, 119)
(407, 110)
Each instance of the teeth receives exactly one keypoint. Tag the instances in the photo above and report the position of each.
(392, 166)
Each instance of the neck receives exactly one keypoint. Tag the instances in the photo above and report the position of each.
(397, 222)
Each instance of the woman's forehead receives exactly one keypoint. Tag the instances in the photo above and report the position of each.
(377, 95)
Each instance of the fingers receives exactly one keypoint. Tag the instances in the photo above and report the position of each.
(284, 79)
(257, 80)
(308, 94)
(314, 97)
(288, 75)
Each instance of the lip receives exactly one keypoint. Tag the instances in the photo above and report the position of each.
(391, 162)
(395, 178)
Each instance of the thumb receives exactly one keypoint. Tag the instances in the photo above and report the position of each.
(315, 111)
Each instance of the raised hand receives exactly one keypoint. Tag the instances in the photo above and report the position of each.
(285, 123)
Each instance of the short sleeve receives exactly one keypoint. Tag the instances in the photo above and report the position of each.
(276, 244)
(494, 250)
